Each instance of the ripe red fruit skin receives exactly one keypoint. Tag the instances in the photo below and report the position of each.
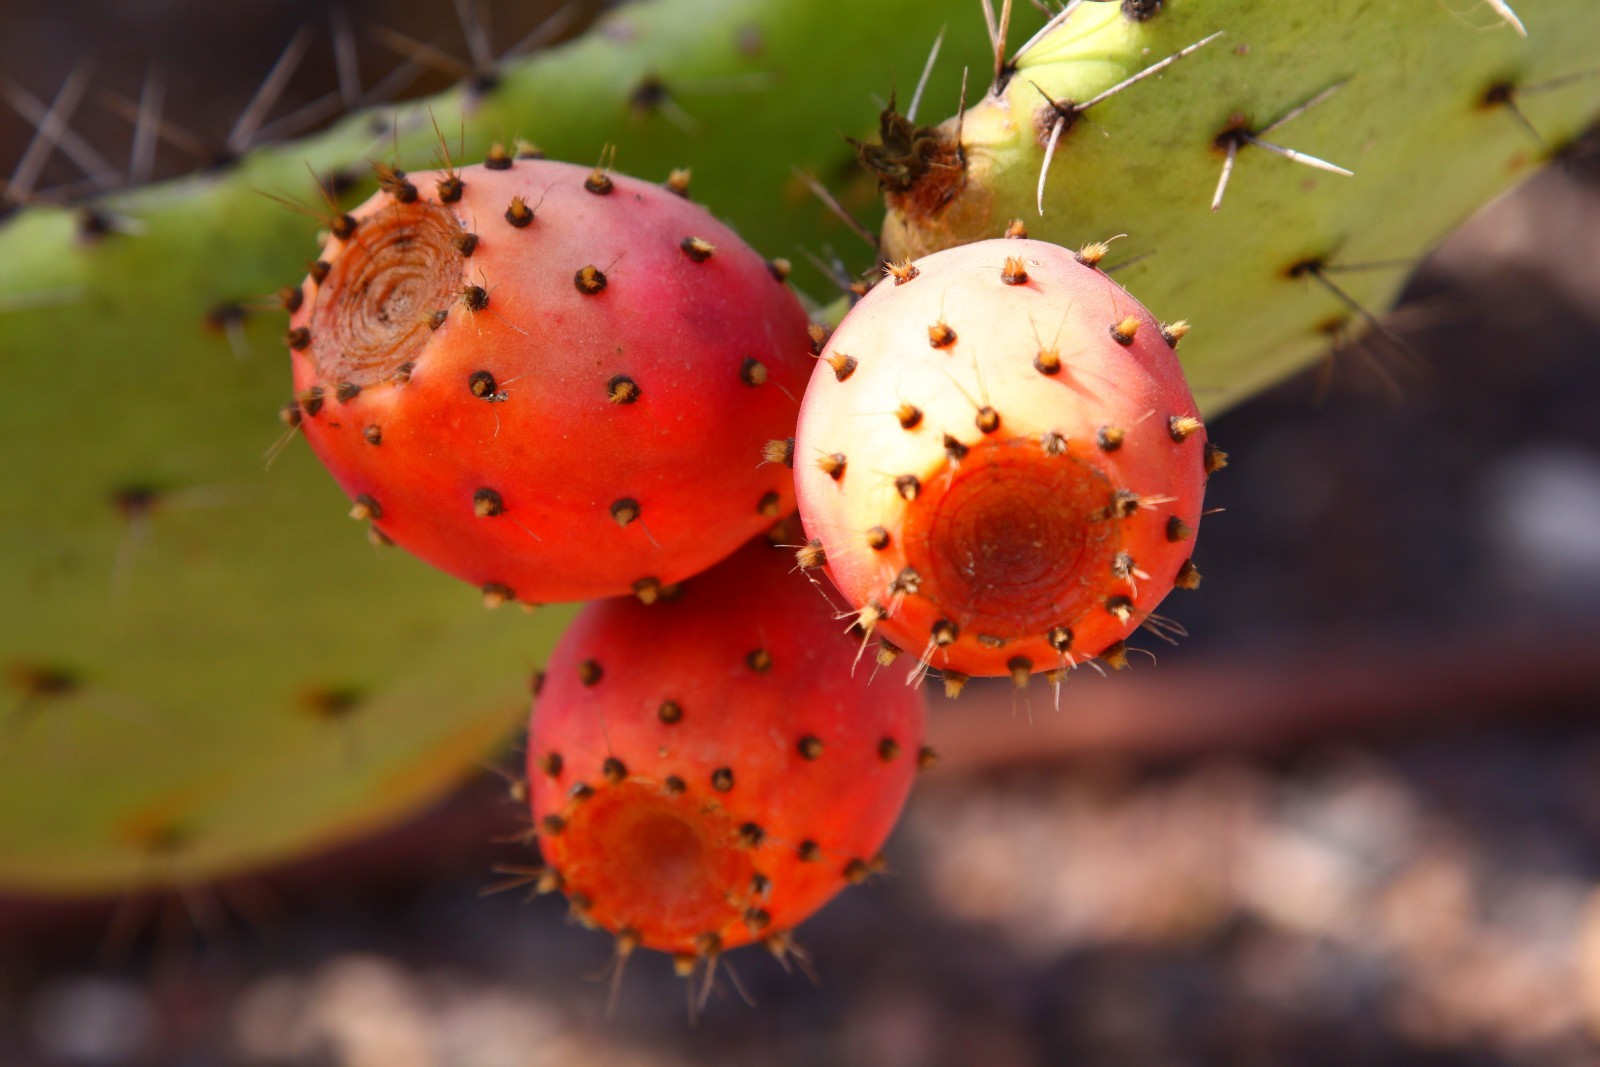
(537, 386)
(1023, 463)
(755, 775)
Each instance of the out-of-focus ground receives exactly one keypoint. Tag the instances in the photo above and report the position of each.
(1354, 819)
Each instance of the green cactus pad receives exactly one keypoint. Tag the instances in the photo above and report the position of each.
(1438, 107)
(204, 666)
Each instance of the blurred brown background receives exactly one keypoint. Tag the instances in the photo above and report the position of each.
(1354, 819)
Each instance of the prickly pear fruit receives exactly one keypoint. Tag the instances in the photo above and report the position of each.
(531, 375)
(998, 461)
(707, 772)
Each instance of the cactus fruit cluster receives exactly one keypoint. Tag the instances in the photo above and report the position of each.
(554, 381)
(706, 765)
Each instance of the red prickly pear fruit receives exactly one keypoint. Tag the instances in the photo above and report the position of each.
(707, 772)
(1022, 465)
(534, 376)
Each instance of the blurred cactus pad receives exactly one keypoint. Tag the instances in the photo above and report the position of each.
(207, 667)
